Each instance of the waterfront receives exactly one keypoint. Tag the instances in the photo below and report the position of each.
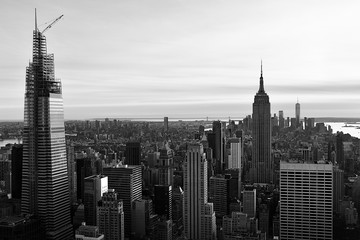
(351, 128)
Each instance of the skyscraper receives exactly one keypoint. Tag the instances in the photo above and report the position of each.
(297, 114)
(126, 180)
(262, 168)
(306, 201)
(195, 193)
(281, 119)
(219, 146)
(44, 180)
(94, 187)
(110, 216)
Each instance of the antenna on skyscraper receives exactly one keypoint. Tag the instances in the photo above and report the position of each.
(36, 29)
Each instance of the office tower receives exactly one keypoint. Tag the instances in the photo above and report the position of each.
(85, 167)
(249, 202)
(126, 180)
(219, 194)
(262, 168)
(44, 180)
(165, 166)
(297, 114)
(195, 191)
(219, 146)
(163, 200)
(281, 119)
(94, 187)
(88, 233)
(310, 123)
(70, 155)
(110, 216)
(16, 170)
(235, 158)
(306, 201)
(166, 124)
(143, 219)
(338, 188)
(133, 153)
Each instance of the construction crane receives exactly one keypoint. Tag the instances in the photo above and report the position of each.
(49, 26)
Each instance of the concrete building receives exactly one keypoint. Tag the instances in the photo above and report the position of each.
(306, 201)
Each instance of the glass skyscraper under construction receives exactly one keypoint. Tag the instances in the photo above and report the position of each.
(45, 184)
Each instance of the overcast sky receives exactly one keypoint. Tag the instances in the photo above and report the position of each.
(182, 58)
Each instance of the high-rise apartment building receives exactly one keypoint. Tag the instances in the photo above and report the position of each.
(127, 182)
(195, 191)
(261, 170)
(306, 201)
(94, 187)
(45, 188)
(110, 216)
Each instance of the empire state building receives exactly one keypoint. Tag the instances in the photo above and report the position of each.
(261, 170)
(44, 183)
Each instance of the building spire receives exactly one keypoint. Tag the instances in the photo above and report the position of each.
(36, 28)
(261, 89)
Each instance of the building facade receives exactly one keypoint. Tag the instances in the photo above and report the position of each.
(306, 201)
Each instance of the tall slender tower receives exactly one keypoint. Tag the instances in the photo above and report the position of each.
(45, 180)
(297, 113)
(262, 168)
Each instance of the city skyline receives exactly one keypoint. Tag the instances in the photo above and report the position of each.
(187, 59)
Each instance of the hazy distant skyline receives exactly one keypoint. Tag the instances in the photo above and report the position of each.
(179, 58)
